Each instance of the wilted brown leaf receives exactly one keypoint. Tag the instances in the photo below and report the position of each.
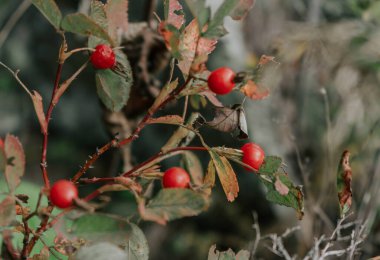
(253, 91)
(39, 108)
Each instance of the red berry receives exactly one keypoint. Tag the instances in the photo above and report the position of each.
(103, 57)
(221, 81)
(1, 144)
(62, 193)
(175, 177)
(253, 155)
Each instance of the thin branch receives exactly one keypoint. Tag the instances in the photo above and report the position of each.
(15, 75)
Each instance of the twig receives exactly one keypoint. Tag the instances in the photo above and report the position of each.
(15, 75)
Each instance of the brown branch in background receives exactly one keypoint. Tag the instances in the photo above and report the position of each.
(150, 6)
(131, 138)
(12, 21)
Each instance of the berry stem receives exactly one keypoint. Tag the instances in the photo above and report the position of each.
(97, 192)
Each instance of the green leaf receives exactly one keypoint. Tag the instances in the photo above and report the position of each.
(199, 10)
(111, 229)
(226, 175)
(343, 181)
(170, 204)
(194, 167)
(15, 167)
(270, 165)
(113, 88)
(234, 8)
(98, 14)
(81, 24)
(293, 197)
(137, 248)
(181, 133)
(214, 254)
(164, 93)
(101, 250)
(50, 10)
(7, 211)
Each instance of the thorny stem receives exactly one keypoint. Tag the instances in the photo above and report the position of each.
(48, 117)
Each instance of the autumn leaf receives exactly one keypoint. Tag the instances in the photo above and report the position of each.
(214, 254)
(344, 179)
(226, 175)
(15, 167)
(38, 107)
(253, 91)
(194, 49)
(170, 28)
(174, 14)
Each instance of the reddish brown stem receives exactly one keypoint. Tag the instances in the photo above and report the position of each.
(129, 139)
(96, 193)
(96, 180)
(48, 117)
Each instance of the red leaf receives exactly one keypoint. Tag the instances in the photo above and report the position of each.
(194, 50)
(253, 91)
(117, 17)
(176, 17)
(15, 167)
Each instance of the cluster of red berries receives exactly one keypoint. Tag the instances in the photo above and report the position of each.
(176, 177)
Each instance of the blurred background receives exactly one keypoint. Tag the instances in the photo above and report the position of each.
(324, 99)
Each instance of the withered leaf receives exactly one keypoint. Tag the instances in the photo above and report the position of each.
(254, 91)
(344, 178)
(230, 119)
